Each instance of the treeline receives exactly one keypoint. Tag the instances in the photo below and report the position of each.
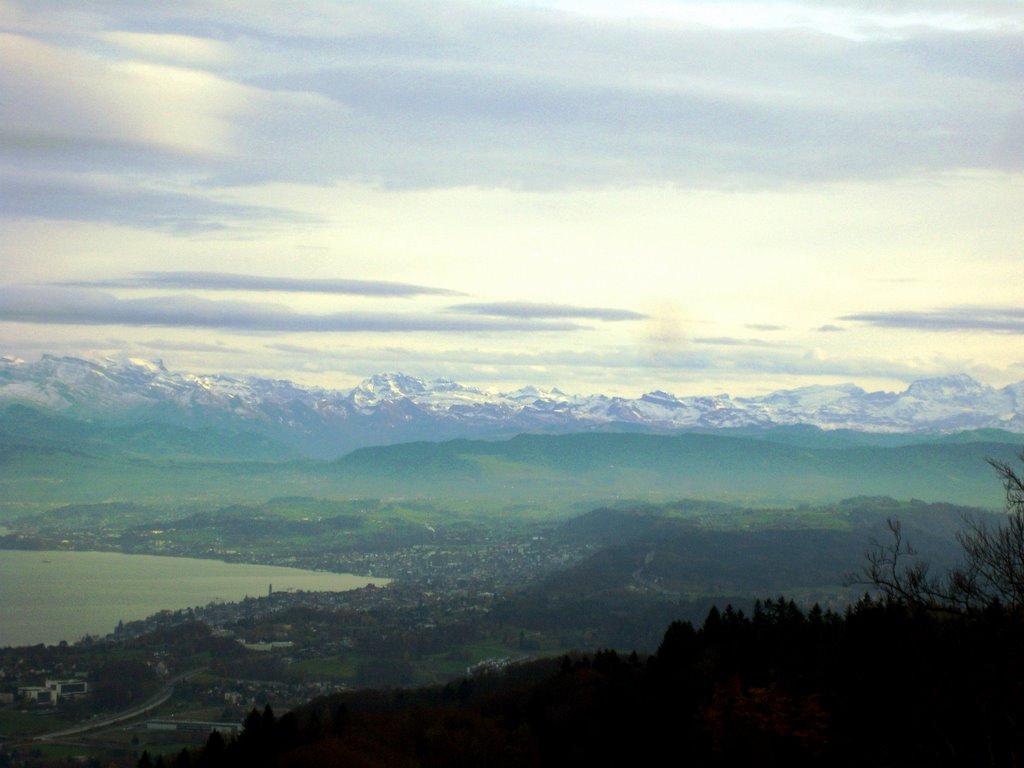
(883, 684)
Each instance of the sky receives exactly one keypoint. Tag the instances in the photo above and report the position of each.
(697, 197)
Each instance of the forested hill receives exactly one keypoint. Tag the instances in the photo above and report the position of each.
(728, 467)
(48, 461)
(881, 685)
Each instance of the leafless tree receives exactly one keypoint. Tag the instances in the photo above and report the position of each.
(992, 571)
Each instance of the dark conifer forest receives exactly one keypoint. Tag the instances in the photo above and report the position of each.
(887, 683)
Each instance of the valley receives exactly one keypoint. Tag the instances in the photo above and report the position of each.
(495, 551)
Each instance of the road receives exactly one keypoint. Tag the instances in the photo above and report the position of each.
(129, 714)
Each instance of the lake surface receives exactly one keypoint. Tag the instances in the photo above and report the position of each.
(46, 597)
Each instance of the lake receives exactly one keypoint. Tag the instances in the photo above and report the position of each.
(46, 597)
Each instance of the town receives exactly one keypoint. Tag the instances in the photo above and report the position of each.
(434, 621)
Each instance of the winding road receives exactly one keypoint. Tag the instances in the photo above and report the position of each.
(129, 714)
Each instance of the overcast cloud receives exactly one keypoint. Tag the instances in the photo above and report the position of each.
(998, 319)
(717, 183)
(85, 307)
(222, 281)
(531, 310)
(412, 94)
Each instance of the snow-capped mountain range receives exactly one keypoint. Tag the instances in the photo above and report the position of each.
(391, 408)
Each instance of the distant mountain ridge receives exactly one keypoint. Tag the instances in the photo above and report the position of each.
(394, 408)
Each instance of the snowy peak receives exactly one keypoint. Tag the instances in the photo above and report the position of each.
(392, 388)
(658, 397)
(149, 366)
(386, 387)
(395, 407)
(393, 385)
(948, 387)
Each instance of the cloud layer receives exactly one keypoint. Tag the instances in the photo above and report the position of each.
(226, 281)
(88, 307)
(506, 95)
(994, 319)
(774, 192)
(530, 310)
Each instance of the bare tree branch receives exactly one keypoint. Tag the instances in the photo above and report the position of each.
(992, 573)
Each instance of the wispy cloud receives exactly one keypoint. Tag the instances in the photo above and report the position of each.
(88, 307)
(227, 281)
(61, 91)
(604, 150)
(731, 341)
(77, 198)
(505, 95)
(995, 319)
(631, 367)
(531, 310)
(169, 345)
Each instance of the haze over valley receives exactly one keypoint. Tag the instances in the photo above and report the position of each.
(654, 369)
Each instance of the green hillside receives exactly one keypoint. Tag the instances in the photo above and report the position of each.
(48, 461)
(602, 466)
